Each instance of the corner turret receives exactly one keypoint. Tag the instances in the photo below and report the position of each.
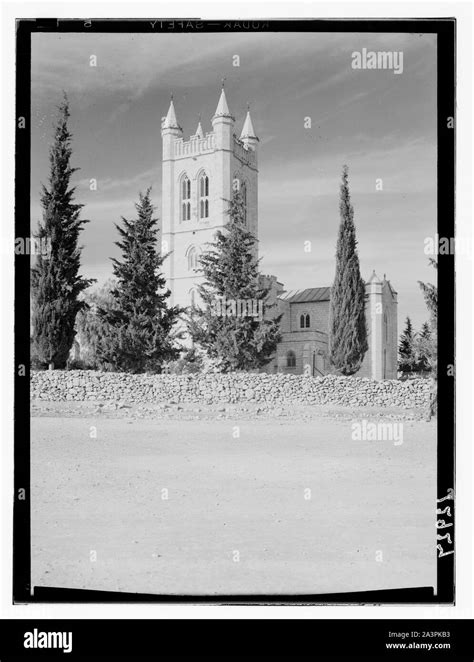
(248, 137)
(223, 123)
(170, 130)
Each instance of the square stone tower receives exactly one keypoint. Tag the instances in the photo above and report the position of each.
(198, 178)
(381, 359)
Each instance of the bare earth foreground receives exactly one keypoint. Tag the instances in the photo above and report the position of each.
(179, 505)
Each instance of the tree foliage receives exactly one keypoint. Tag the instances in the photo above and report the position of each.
(407, 359)
(430, 345)
(230, 269)
(347, 324)
(90, 326)
(139, 327)
(55, 280)
(423, 348)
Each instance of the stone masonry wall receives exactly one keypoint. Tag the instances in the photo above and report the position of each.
(80, 385)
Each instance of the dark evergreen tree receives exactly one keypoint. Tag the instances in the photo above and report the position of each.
(407, 360)
(231, 284)
(347, 325)
(55, 280)
(138, 333)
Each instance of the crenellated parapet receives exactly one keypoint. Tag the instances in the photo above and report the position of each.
(194, 146)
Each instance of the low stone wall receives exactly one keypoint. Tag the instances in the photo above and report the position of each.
(81, 385)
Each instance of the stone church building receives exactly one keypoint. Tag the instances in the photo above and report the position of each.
(198, 177)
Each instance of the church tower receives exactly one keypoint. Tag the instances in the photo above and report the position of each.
(198, 176)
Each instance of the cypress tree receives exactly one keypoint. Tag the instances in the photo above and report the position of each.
(55, 280)
(231, 326)
(347, 325)
(407, 361)
(138, 333)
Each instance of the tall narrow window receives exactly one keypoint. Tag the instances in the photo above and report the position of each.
(186, 199)
(243, 190)
(290, 359)
(204, 196)
(192, 258)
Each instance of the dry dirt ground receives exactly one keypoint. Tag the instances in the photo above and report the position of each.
(139, 500)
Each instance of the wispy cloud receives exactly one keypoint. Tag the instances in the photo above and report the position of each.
(139, 181)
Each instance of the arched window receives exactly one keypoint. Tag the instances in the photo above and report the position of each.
(305, 321)
(186, 199)
(192, 258)
(192, 296)
(290, 359)
(203, 196)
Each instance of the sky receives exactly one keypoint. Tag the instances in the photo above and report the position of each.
(381, 124)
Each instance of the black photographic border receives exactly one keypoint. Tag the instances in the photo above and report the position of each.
(445, 29)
